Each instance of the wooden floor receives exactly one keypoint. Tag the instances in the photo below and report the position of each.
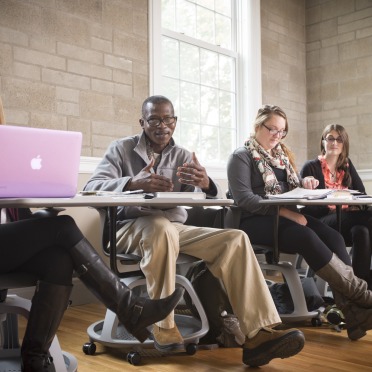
(325, 350)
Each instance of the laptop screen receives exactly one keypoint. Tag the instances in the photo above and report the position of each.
(37, 162)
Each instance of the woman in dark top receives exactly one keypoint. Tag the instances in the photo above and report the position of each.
(334, 170)
(51, 248)
(265, 166)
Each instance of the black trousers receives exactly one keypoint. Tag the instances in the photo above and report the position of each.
(356, 228)
(40, 246)
(316, 242)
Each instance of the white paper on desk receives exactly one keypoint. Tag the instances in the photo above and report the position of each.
(341, 194)
(125, 194)
(180, 195)
(301, 193)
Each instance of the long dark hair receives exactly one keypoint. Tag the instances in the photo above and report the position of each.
(342, 163)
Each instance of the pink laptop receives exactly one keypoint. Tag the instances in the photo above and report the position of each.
(38, 162)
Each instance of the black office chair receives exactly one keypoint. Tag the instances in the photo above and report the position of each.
(288, 270)
(109, 332)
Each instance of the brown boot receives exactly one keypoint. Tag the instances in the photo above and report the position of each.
(167, 339)
(358, 320)
(341, 277)
(269, 344)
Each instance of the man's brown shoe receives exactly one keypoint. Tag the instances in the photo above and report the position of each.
(167, 339)
(269, 344)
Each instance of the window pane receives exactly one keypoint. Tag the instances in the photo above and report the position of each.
(223, 31)
(226, 70)
(227, 142)
(206, 3)
(190, 102)
(209, 144)
(208, 68)
(205, 25)
(170, 55)
(223, 7)
(190, 134)
(168, 14)
(227, 109)
(171, 89)
(209, 106)
(189, 62)
(186, 17)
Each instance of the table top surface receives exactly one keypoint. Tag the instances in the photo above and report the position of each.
(108, 201)
(324, 201)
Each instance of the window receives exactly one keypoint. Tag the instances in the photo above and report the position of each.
(196, 60)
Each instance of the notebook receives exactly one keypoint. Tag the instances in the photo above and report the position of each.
(37, 162)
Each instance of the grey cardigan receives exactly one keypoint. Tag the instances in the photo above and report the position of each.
(246, 184)
(125, 158)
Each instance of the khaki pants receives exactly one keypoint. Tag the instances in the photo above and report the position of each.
(227, 253)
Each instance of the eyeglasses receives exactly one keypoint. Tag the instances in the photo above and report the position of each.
(333, 139)
(274, 132)
(155, 122)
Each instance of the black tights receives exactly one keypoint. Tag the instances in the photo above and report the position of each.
(315, 242)
(356, 228)
(40, 246)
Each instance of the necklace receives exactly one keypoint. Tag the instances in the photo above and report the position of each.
(333, 175)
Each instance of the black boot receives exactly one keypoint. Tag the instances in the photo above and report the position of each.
(135, 313)
(48, 306)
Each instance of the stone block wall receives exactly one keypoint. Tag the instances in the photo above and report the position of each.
(339, 73)
(283, 45)
(75, 65)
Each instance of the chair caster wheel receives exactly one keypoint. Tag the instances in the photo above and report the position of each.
(89, 348)
(191, 349)
(134, 358)
(316, 322)
(335, 316)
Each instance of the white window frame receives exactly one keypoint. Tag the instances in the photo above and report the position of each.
(248, 74)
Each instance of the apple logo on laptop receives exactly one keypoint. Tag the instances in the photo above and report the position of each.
(36, 162)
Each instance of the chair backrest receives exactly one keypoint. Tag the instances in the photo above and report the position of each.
(205, 217)
(129, 261)
(232, 221)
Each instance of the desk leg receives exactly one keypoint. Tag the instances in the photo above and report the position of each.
(276, 238)
(113, 263)
(222, 220)
(338, 214)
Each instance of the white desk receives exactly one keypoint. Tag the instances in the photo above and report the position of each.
(108, 201)
(338, 202)
(112, 203)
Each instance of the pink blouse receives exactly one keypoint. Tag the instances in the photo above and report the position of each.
(330, 182)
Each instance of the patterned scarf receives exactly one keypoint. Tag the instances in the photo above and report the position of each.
(265, 162)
